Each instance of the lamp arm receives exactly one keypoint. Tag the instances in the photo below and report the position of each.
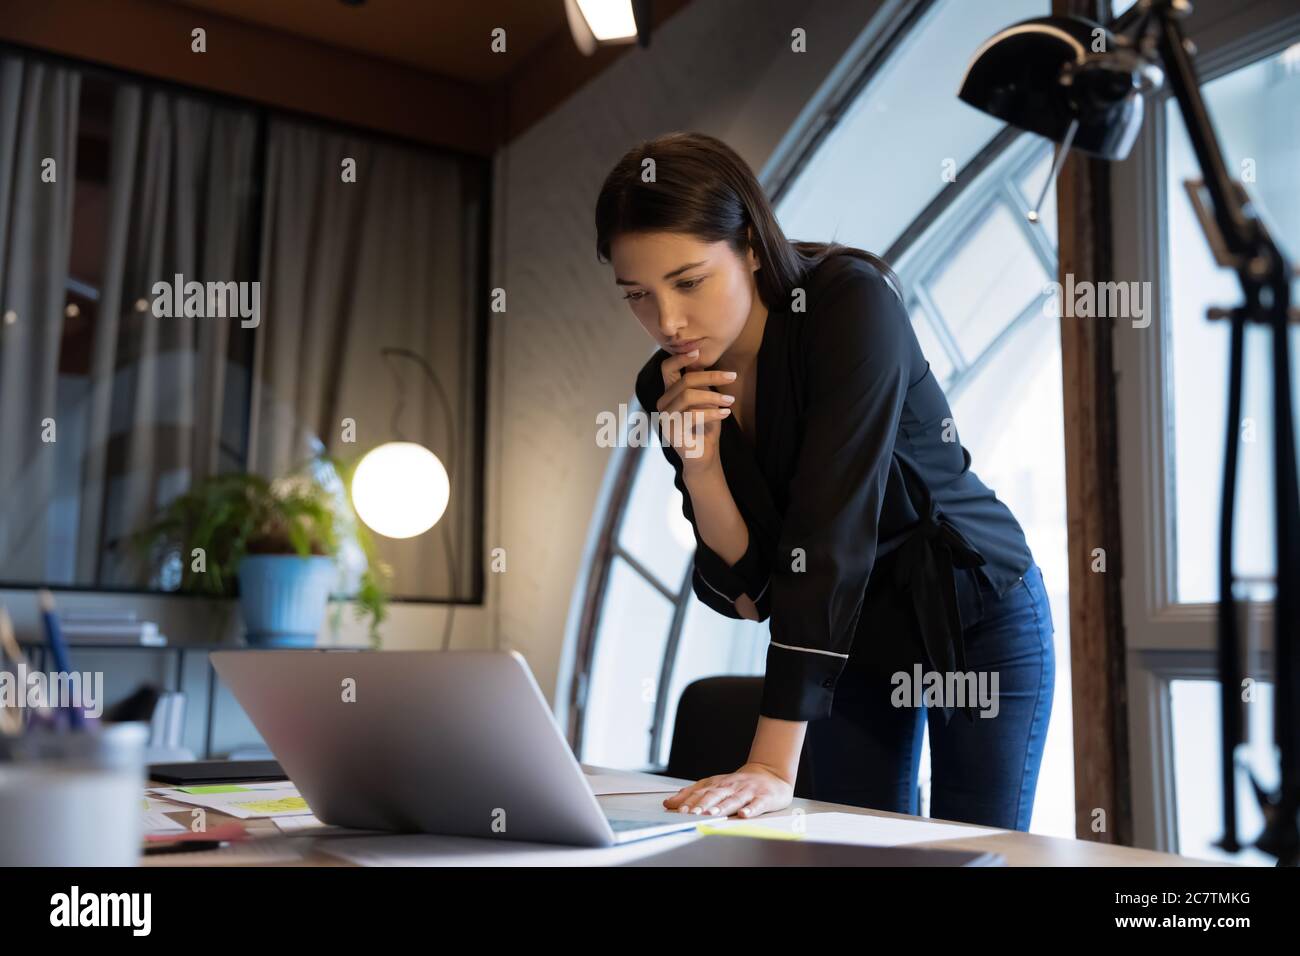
(390, 352)
(1240, 233)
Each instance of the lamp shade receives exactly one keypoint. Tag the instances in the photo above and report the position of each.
(1043, 75)
(400, 489)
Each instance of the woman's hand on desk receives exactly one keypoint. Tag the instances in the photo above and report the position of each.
(753, 789)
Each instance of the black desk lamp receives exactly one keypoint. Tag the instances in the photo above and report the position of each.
(1077, 83)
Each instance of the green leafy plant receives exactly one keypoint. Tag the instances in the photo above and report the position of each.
(234, 515)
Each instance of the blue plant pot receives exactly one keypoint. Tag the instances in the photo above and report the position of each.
(283, 598)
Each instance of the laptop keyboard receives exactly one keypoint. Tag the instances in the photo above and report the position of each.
(622, 825)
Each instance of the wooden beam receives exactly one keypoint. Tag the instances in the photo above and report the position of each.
(1097, 655)
(277, 69)
(264, 66)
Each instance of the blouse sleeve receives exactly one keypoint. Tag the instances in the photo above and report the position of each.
(715, 582)
(859, 344)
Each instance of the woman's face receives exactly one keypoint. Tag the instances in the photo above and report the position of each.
(686, 293)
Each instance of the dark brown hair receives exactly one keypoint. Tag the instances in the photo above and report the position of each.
(703, 188)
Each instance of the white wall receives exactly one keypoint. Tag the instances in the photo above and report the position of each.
(567, 347)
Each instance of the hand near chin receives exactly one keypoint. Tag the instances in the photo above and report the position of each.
(692, 410)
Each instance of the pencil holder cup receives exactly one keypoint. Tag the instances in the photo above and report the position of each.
(73, 798)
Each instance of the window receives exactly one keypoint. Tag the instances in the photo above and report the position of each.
(1256, 111)
(990, 279)
(625, 676)
(138, 406)
(1195, 710)
(886, 159)
(1171, 396)
(656, 506)
(118, 393)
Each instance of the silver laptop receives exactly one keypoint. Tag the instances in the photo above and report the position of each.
(448, 742)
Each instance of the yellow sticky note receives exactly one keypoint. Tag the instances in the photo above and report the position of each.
(749, 830)
(274, 806)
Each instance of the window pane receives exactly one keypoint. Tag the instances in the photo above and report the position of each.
(988, 282)
(1256, 111)
(711, 645)
(1195, 714)
(654, 530)
(884, 161)
(144, 405)
(630, 643)
(1009, 418)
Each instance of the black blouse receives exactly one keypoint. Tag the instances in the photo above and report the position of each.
(858, 497)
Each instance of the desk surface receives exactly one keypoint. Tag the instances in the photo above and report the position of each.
(1019, 849)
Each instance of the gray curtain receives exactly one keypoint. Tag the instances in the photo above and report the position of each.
(348, 268)
(38, 120)
(181, 202)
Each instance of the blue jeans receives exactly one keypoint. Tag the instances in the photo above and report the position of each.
(985, 771)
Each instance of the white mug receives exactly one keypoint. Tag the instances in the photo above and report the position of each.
(73, 799)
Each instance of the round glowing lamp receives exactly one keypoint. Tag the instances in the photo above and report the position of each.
(400, 489)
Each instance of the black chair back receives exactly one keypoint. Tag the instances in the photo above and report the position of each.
(716, 717)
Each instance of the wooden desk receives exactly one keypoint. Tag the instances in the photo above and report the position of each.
(1019, 849)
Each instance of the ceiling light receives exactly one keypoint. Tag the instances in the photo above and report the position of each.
(596, 23)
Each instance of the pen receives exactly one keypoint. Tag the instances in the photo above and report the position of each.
(189, 846)
(58, 650)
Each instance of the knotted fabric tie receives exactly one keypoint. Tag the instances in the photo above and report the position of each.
(927, 566)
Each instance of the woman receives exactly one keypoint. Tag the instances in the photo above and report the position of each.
(819, 467)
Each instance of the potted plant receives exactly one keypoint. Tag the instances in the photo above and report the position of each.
(278, 540)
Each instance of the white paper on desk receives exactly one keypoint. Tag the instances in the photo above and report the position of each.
(235, 803)
(273, 785)
(184, 796)
(298, 823)
(862, 829)
(166, 806)
(430, 850)
(155, 821)
(613, 782)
